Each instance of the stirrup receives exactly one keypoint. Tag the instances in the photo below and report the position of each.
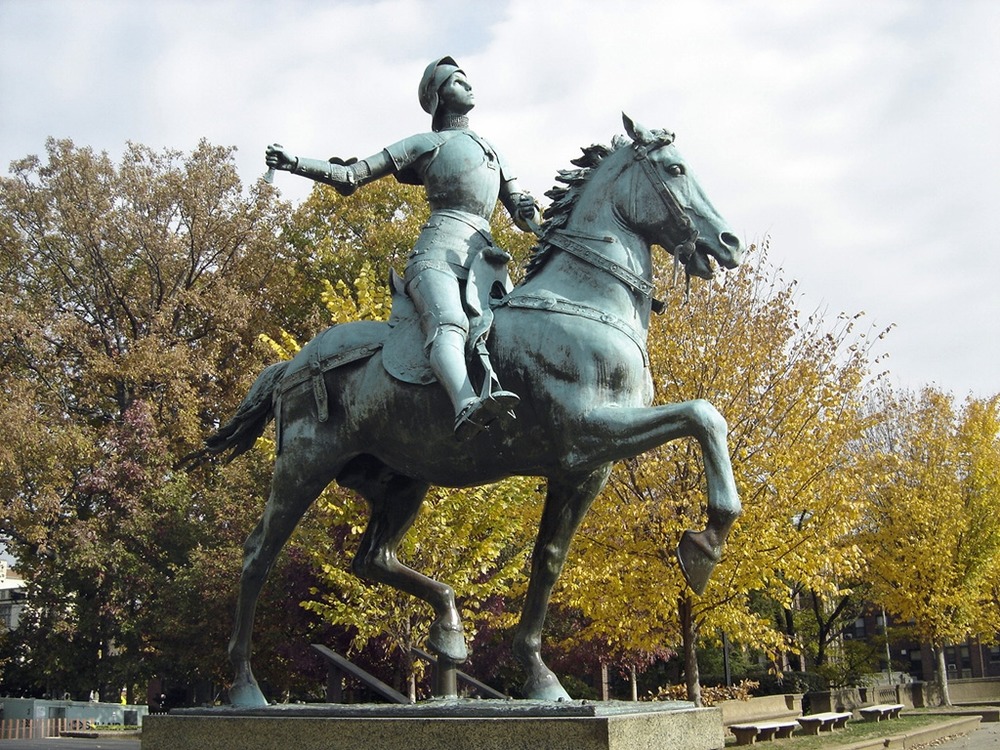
(502, 403)
(477, 415)
(467, 423)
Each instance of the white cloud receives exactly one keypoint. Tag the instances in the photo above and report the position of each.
(861, 136)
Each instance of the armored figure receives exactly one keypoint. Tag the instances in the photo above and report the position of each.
(463, 176)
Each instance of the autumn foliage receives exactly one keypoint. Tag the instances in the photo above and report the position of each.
(141, 298)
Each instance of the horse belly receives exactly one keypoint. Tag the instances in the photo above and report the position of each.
(410, 428)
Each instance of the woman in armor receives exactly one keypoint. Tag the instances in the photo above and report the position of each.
(464, 176)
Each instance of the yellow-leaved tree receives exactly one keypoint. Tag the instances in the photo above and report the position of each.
(791, 388)
(933, 530)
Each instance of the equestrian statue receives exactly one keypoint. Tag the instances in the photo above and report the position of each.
(389, 409)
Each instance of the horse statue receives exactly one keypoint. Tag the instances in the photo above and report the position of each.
(571, 338)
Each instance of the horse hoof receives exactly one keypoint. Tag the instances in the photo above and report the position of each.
(448, 642)
(246, 695)
(697, 560)
(545, 688)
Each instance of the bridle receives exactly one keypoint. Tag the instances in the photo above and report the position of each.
(688, 235)
(573, 243)
(586, 248)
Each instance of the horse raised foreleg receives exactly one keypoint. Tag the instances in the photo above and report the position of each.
(612, 433)
(566, 504)
(288, 501)
(395, 501)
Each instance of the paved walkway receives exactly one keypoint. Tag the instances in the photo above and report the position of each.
(70, 743)
(987, 737)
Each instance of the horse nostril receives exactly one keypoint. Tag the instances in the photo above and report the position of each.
(730, 240)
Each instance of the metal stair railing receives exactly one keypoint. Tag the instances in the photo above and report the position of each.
(338, 667)
(447, 675)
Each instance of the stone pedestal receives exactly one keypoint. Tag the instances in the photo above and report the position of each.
(441, 725)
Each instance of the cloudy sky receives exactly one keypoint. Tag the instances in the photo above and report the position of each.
(860, 136)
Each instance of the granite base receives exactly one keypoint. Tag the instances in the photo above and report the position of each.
(445, 725)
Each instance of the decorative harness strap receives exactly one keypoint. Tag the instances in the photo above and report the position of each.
(315, 369)
(564, 241)
(553, 304)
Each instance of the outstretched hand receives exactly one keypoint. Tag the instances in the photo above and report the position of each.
(277, 157)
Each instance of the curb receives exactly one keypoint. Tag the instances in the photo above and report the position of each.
(95, 735)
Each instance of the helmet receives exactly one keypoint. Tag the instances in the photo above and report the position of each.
(435, 74)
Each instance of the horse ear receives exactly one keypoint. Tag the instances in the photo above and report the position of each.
(635, 131)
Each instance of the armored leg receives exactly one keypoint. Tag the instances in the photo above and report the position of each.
(437, 296)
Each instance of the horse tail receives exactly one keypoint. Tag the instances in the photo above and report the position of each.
(241, 432)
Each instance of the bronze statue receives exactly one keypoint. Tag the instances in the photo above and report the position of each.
(570, 338)
(463, 175)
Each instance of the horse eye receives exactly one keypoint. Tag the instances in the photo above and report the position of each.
(676, 170)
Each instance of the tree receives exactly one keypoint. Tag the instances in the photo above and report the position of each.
(933, 531)
(792, 391)
(132, 295)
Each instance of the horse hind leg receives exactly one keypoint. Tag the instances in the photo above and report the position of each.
(395, 500)
(566, 503)
(290, 497)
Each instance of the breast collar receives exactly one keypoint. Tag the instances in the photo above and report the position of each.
(580, 249)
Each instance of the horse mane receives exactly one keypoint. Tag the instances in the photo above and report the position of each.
(564, 197)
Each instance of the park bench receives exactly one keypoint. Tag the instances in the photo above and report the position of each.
(826, 722)
(881, 711)
(747, 734)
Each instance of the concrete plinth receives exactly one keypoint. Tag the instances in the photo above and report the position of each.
(447, 725)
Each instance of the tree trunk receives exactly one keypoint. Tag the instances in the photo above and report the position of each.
(942, 676)
(689, 634)
(634, 681)
(408, 673)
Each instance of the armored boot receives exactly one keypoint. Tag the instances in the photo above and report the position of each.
(473, 413)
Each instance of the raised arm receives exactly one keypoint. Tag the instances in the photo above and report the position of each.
(345, 176)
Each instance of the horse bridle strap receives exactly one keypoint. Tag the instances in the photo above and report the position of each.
(633, 281)
(686, 247)
(566, 307)
(670, 202)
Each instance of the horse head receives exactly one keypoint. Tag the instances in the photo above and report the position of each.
(665, 204)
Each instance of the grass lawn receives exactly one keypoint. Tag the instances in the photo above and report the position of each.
(855, 731)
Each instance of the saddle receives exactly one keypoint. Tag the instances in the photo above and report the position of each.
(401, 341)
